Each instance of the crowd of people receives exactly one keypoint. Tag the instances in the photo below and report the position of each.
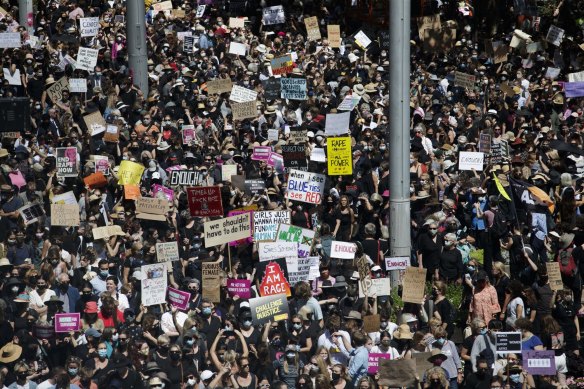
(501, 240)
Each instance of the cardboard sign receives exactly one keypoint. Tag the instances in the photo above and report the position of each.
(334, 35)
(508, 342)
(293, 88)
(67, 162)
(95, 123)
(31, 213)
(554, 275)
(362, 40)
(268, 251)
(178, 298)
(373, 365)
(396, 263)
(501, 51)
(297, 135)
(371, 323)
(337, 123)
(55, 91)
(240, 94)
(555, 35)
(77, 85)
(227, 171)
(237, 48)
(240, 288)
(282, 65)
(468, 160)
(266, 223)
(66, 322)
(414, 282)
(107, 231)
(154, 285)
(88, 26)
(274, 281)
(261, 153)
(464, 80)
(184, 178)
(205, 201)
(131, 192)
(430, 22)
(377, 287)
(151, 205)
(438, 40)
(245, 110)
(167, 252)
(340, 161)
(65, 215)
(221, 85)
(269, 308)
(10, 40)
(271, 88)
(112, 133)
(227, 230)
(312, 28)
(343, 250)
(303, 237)
(307, 187)
(211, 286)
(273, 15)
(539, 362)
(397, 373)
(294, 156)
(87, 58)
(236, 23)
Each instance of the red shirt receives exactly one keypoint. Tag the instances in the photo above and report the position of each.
(109, 322)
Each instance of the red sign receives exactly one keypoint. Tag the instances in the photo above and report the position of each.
(205, 201)
(274, 281)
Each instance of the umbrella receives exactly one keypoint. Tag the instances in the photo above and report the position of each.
(563, 146)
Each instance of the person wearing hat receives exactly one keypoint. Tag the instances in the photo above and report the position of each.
(10, 353)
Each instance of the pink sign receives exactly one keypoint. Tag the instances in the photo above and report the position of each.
(178, 298)
(276, 161)
(236, 243)
(261, 153)
(374, 361)
(66, 322)
(239, 287)
(167, 192)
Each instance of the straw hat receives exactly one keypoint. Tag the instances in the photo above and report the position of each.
(359, 89)
(49, 81)
(566, 240)
(403, 332)
(10, 353)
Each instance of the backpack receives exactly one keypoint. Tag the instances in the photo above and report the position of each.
(487, 353)
(499, 227)
(568, 266)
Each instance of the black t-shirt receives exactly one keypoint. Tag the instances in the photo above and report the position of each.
(451, 264)
(474, 381)
(372, 247)
(430, 251)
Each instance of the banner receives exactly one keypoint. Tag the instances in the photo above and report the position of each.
(508, 342)
(282, 65)
(184, 178)
(307, 187)
(78, 85)
(414, 282)
(269, 308)
(343, 250)
(273, 15)
(179, 299)
(65, 215)
(274, 281)
(130, 173)
(205, 201)
(301, 236)
(373, 365)
(154, 284)
(396, 263)
(67, 162)
(167, 252)
(227, 230)
(86, 58)
(66, 322)
(337, 123)
(240, 94)
(539, 362)
(340, 161)
(211, 286)
(334, 35)
(265, 224)
(293, 88)
(218, 86)
(468, 160)
(312, 28)
(88, 26)
(245, 110)
(240, 288)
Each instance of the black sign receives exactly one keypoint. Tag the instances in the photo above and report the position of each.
(508, 342)
(269, 308)
(255, 186)
(294, 156)
(14, 114)
(271, 88)
(384, 39)
(188, 43)
(185, 177)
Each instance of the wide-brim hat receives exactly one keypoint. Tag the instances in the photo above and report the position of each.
(53, 300)
(163, 146)
(5, 262)
(354, 315)
(566, 240)
(4, 153)
(10, 353)
(359, 89)
(437, 355)
(403, 332)
(49, 81)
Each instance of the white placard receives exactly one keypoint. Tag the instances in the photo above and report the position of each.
(552, 73)
(469, 160)
(348, 103)
(307, 187)
(240, 94)
(13, 79)
(268, 251)
(88, 26)
(377, 287)
(77, 85)
(555, 35)
(9, 40)
(318, 155)
(396, 263)
(237, 48)
(200, 11)
(338, 123)
(86, 58)
(576, 77)
(362, 39)
(273, 15)
(273, 135)
(154, 284)
(343, 250)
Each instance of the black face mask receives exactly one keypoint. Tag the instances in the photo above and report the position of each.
(175, 356)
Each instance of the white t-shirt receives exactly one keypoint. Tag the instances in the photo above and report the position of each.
(46, 385)
(341, 356)
(37, 301)
(122, 300)
(166, 323)
(512, 309)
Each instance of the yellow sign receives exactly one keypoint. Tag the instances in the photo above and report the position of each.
(130, 173)
(339, 156)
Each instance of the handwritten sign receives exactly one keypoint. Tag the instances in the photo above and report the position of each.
(340, 161)
(227, 230)
(167, 252)
(154, 286)
(469, 160)
(107, 231)
(151, 205)
(413, 285)
(10, 40)
(77, 85)
(205, 201)
(307, 187)
(555, 35)
(245, 110)
(554, 275)
(130, 173)
(221, 85)
(293, 88)
(65, 215)
(334, 35)
(397, 263)
(55, 91)
(273, 15)
(89, 26)
(265, 224)
(240, 94)
(303, 237)
(211, 274)
(337, 123)
(464, 80)
(184, 178)
(343, 250)
(86, 58)
(312, 28)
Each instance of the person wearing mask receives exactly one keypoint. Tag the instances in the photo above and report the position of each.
(565, 313)
(481, 379)
(40, 296)
(441, 308)
(66, 293)
(452, 364)
(289, 366)
(451, 267)
(99, 282)
(21, 371)
(429, 248)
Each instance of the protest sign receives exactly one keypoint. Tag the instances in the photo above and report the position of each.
(67, 162)
(95, 180)
(31, 213)
(220, 85)
(414, 282)
(397, 373)
(88, 26)
(318, 155)
(576, 77)
(269, 308)
(237, 48)
(201, 10)
(293, 88)
(95, 123)
(86, 58)
(501, 51)
(273, 15)
(236, 22)
(265, 224)
(539, 362)
(438, 40)
(334, 35)
(240, 211)
(302, 271)
(130, 173)
(373, 365)
(43, 331)
(468, 160)
(245, 110)
(151, 205)
(396, 263)
(188, 134)
(485, 143)
(348, 104)
(271, 88)
(66, 322)
(239, 287)
(294, 156)
(312, 28)
(255, 186)
(274, 280)
(227, 230)
(10, 40)
(508, 342)
(65, 215)
(273, 135)
(268, 251)
(167, 252)
(574, 89)
(464, 80)
(343, 250)
(154, 284)
(77, 85)
(106, 232)
(307, 187)
(553, 73)
(304, 237)
(371, 323)
(422, 363)
(337, 123)
(162, 192)
(430, 22)
(163, 6)
(314, 267)
(227, 171)
(297, 135)
(205, 201)
(112, 133)
(179, 299)
(55, 91)
(377, 287)
(184, 178)
(131, 192)
(261, 153)
(211, 286)
(188, 43)
(282, 65)
(555, 35)
(554, 275)
(240, 94)
(362, 40)
(339, 156)
(276, 161)
(12, 78)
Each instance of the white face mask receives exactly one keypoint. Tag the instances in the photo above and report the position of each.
(191, 382)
